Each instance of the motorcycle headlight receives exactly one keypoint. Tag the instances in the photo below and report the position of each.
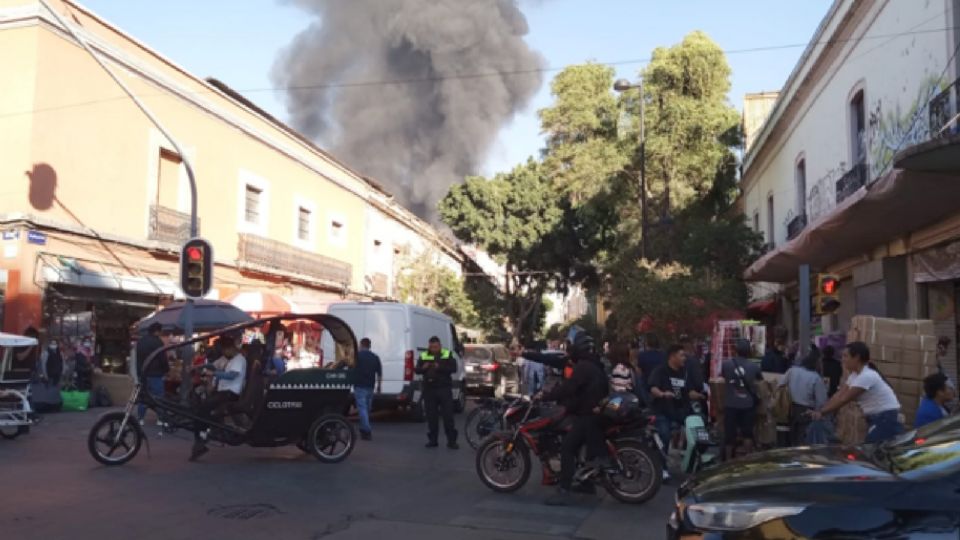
(737, 516)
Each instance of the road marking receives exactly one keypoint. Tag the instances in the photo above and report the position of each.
(534, 508)
(514, 525)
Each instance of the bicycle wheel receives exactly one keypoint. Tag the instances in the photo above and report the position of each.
(480, 424)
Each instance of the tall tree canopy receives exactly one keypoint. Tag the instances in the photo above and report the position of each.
(520, 219)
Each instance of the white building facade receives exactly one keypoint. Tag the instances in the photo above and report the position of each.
(855, 170)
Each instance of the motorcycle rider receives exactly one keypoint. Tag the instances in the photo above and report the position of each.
(580, 395)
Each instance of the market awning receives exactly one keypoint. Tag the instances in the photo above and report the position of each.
(96, 274)
(763, 307)
(261, 302)
(899, 202)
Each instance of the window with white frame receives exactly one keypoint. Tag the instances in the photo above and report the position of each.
(800, 177)
(251, 207)
(858, 128)
(756, 221)
(254, 203)
(304, 215)
(770, 221)
(337, 230)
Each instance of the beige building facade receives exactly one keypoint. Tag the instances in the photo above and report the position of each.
(95, 202)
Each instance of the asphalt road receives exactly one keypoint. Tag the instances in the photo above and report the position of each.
(392, 487)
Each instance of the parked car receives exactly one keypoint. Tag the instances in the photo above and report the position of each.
(904, 488)
(490, 370)
(399, 333)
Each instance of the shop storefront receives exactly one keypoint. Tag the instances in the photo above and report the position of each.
(937, 271)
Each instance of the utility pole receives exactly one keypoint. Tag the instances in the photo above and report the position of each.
(188, 307)
(623, 85)
(804, 323)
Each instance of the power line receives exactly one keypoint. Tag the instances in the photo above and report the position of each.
(500, 73)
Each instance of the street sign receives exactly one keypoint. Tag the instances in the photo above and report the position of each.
(196, 268)
(36, 237)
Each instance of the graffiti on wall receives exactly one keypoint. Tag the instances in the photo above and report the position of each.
(822, 196)
(892, 129)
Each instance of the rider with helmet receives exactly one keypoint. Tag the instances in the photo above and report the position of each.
(580, 394)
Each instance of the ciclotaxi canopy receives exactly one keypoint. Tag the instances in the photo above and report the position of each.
(13, 340)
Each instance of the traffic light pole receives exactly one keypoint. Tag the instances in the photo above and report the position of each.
(804, 325)
(188, 308)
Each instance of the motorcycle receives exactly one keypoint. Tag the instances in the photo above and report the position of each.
(503, 461)
(486, 420)
(701, 450)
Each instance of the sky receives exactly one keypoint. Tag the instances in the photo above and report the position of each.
(237, 41)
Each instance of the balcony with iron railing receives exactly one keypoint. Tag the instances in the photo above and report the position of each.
(851, 181)
(169, 226)
(796, 225)
(943, 111)
(272, 254)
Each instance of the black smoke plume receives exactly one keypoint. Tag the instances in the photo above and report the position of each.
(409, 92)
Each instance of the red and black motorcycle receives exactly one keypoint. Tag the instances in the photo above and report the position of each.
(504, 464)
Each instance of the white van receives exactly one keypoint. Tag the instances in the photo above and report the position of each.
(398, 334)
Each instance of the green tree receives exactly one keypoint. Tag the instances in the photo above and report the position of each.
(690, 126)
(699, 250)
(526, 225)
(583, 152)
(423, 282)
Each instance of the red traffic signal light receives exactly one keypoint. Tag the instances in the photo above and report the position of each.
(828, 294)
(196, 268)
(829, 285)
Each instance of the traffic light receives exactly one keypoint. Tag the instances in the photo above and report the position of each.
(828, 294)
(196, 268)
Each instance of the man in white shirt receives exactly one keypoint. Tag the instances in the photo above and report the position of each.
(229, 387)
(875, 397)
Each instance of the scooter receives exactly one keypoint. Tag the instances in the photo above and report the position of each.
(701, 451)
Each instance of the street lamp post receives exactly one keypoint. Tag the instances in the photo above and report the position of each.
(188, 308)
(623, 85)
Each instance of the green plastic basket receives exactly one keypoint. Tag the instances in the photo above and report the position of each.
(74, 400)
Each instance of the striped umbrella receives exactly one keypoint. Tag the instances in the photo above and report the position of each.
(261, 303)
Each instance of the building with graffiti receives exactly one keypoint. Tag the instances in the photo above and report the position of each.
(856, 170)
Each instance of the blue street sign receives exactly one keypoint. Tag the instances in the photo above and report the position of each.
(36, 237)
(11, 234)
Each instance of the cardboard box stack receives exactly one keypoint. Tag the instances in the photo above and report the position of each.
(905, 351)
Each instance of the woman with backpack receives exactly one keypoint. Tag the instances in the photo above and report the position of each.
(808, 393)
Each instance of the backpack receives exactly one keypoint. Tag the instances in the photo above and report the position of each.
(101, 398)
(781, 404)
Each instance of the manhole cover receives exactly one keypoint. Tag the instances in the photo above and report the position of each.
(244, 512)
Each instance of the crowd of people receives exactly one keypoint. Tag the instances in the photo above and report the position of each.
(55, 364)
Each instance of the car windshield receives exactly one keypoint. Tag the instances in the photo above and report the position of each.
(929, 452)
(478, 354)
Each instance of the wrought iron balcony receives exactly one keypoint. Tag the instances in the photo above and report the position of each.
(168, 225)
(943, 110)
(796, 226)
(268, 253)
(851, 181)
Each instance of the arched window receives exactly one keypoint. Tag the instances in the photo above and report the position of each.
(858, 128)
(800, 179)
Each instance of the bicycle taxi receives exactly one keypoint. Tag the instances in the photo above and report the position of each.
(301, 407)
(16, 416)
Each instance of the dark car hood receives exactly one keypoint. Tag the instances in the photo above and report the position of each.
(776, 469)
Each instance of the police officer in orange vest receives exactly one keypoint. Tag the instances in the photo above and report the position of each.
(436, 366)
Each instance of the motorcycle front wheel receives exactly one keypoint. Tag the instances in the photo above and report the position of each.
(503, 465)
(480, 424)
(640, 475)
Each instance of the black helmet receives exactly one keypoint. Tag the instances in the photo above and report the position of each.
(581, 344)
(743, 348)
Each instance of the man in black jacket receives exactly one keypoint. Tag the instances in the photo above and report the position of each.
(579, 395)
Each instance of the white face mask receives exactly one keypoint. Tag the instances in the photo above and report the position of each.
(52, 346)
